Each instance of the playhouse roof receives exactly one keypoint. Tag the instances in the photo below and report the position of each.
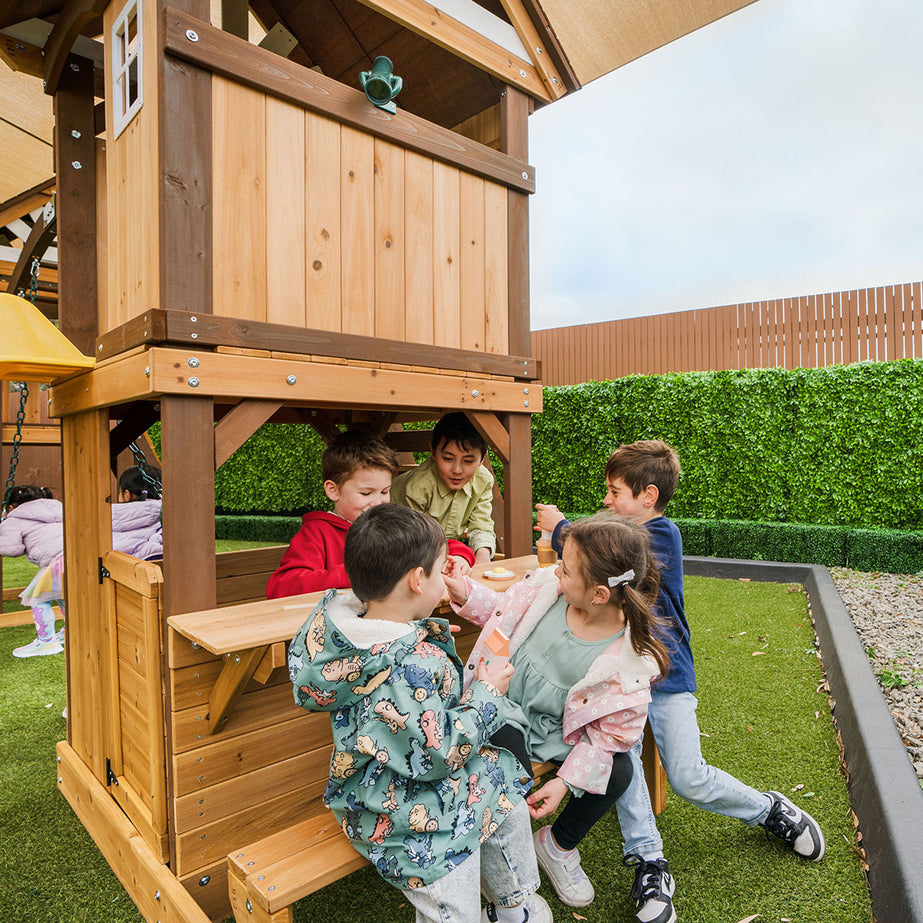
(428, 42)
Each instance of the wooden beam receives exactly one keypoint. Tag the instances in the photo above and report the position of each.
(137, 421)
(535, 45)
(211, 330)
(255, 67)
(494, 433)
(119, 383)
(236, 427)
(75, 166)
(40, 238)
(438, 27)
(234, 19)
(312, 383)
(76, 16)
(237, 671)
(27, 201)
(552, 46)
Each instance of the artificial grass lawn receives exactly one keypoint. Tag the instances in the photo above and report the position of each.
(761, 715)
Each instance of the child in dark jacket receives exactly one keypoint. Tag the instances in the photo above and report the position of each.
(641, 479)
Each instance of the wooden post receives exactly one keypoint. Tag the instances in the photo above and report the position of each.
(517, 475)
(75, 166)
(517, 488)
(90, 629)
(514, 140)
(187, 448)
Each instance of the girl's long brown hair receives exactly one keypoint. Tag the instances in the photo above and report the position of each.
(608, 546)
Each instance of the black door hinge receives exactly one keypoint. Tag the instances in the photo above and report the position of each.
(110, 775)
(102, 571)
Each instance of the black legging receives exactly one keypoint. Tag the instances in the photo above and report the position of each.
(579, 814)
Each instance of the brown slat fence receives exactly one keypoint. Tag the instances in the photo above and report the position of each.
(807, 331)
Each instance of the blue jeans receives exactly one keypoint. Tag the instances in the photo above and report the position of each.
(676, 732)
(504, 869)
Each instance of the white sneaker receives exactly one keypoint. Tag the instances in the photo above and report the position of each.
(536, 910)
(39, 648)
(567, 878)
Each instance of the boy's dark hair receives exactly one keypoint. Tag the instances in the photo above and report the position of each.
(386, 542)
(457, 428)
(648, 461)
(352, 450)
(23, 494)
(138, 486)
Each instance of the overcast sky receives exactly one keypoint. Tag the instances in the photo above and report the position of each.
(776, 152)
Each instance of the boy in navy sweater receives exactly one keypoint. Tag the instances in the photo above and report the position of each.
(641, 479)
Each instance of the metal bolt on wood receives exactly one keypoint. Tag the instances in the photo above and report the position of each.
(76, 164)
(192, 35)
(193, 382)
(474, 393)
(193, 363)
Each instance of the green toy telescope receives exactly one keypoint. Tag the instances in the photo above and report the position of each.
(380, 84)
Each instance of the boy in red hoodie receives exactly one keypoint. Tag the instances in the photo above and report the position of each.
(357, 471)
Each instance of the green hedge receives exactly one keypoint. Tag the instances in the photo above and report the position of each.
(841, 446)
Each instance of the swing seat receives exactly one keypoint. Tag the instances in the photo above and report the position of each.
(33, 348)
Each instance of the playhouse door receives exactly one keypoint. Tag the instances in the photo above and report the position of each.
(138, 766)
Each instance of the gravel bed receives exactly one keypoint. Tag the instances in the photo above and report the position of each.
(887, 612)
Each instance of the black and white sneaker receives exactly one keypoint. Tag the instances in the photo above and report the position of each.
(653, 890)
(796, 828)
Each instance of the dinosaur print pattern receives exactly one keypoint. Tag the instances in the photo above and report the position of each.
(413, 783)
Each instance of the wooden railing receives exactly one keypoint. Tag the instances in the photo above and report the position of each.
(809, 331)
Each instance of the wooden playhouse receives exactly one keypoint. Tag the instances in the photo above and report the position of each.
(244, 237)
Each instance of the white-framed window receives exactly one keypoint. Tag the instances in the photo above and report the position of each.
(127, 95)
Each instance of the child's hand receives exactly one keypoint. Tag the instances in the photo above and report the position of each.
(456, 566)
(499, 677)
(548, 517)
(455, 581)
(545, 801)
(482, 555)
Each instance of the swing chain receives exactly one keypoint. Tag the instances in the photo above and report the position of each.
(23, 388)
(33, 280)
(141, 462)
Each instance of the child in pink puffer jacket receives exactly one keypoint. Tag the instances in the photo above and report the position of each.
(34, 526)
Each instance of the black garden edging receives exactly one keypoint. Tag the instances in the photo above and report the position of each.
(883, 788)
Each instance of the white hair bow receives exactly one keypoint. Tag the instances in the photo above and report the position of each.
(622, 578)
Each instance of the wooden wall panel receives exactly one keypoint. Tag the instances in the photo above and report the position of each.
(285, 213)
(472, 293)
(418, 228)
(239, 146)
(389, 240)
(446, 263)
(323, 228)
(357, 278)
(131, 197)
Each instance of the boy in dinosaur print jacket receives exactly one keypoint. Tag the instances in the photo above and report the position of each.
(414, 781)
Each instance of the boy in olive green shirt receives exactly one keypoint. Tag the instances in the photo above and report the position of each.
(453, 486)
